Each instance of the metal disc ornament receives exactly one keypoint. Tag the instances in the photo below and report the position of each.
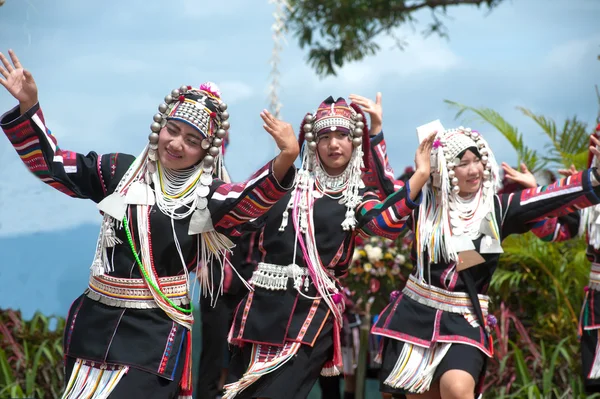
(202, 190)
(206, 179)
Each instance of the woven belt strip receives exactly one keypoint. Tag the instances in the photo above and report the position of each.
(438, 298)
(275, 277)
(133, 292)
(595, 277)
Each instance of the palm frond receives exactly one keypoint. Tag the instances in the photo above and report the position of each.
(510, 132)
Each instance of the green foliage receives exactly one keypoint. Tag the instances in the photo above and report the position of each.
(566, 146)
(340, 31)
(31, 353)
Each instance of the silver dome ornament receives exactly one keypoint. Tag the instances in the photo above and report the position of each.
(155, 127)
(455, 189)
(183, 89)
(158, 118)
(213, 151)
(225, 125)
(205, 144)
(486, 174)
(358, 132)
(217, 142)
(224, 115)
(221, 133)
(223, 106)
(162, 108)
(312, 146)
(480, 144)
(309, 118)
(307, 128)
(153, 138)
(168, 99)
(450, 165)
(202, 190)
(359, 117)
(309, 136)
(454, 181)
(175, 93)
(451, 173)
(360, 125)
(208, 160)
(461, 128)
(484, 158)
(468, 130)
(357, 142)
(483, 151)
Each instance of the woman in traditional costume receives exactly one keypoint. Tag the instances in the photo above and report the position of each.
(436, 332)
(129, 334)
(287, 330)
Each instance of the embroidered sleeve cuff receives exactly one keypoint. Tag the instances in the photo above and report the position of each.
(378, 138)
(287, 182)
(13, 117)
(410, 203)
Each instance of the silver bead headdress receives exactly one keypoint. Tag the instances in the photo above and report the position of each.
(448, 223)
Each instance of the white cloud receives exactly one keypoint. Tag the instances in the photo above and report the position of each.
(568, 54)
(235, 91)
(420, 58)
(203, 8)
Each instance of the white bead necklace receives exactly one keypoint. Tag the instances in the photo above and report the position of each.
(176, 189)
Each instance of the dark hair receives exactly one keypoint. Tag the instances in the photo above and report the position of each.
(474, 150)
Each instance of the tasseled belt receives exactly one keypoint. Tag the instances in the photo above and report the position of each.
(134, 293)
(438, 298)
(275, 277)
(595, 277)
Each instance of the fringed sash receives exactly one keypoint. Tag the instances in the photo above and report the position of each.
(416, 365)
(93, 380)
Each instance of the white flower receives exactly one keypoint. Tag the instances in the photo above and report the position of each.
(395, 270)
(400, 259)
(373, 253)
(355, 255)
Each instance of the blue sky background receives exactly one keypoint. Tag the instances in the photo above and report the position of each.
(103, 67)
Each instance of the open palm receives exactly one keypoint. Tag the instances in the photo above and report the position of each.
(523, 177)
(17, 80)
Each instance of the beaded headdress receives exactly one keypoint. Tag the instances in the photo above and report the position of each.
(448, 223)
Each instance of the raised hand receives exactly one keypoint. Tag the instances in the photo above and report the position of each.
(594, 147)
(423, 155)
(374, 109)
(568, 172)
(523, 177)
(422, 165)
(283, 134)
(18, 81)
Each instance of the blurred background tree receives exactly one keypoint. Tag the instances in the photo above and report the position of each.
(339, 31)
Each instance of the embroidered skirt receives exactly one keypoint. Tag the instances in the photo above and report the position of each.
(287, 372)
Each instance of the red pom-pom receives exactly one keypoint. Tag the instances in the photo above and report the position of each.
(181, 98)
(212, 114)
(189, 87)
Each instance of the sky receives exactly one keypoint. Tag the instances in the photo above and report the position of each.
(102, 68)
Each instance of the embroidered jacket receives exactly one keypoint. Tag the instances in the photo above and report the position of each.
(277, 317)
